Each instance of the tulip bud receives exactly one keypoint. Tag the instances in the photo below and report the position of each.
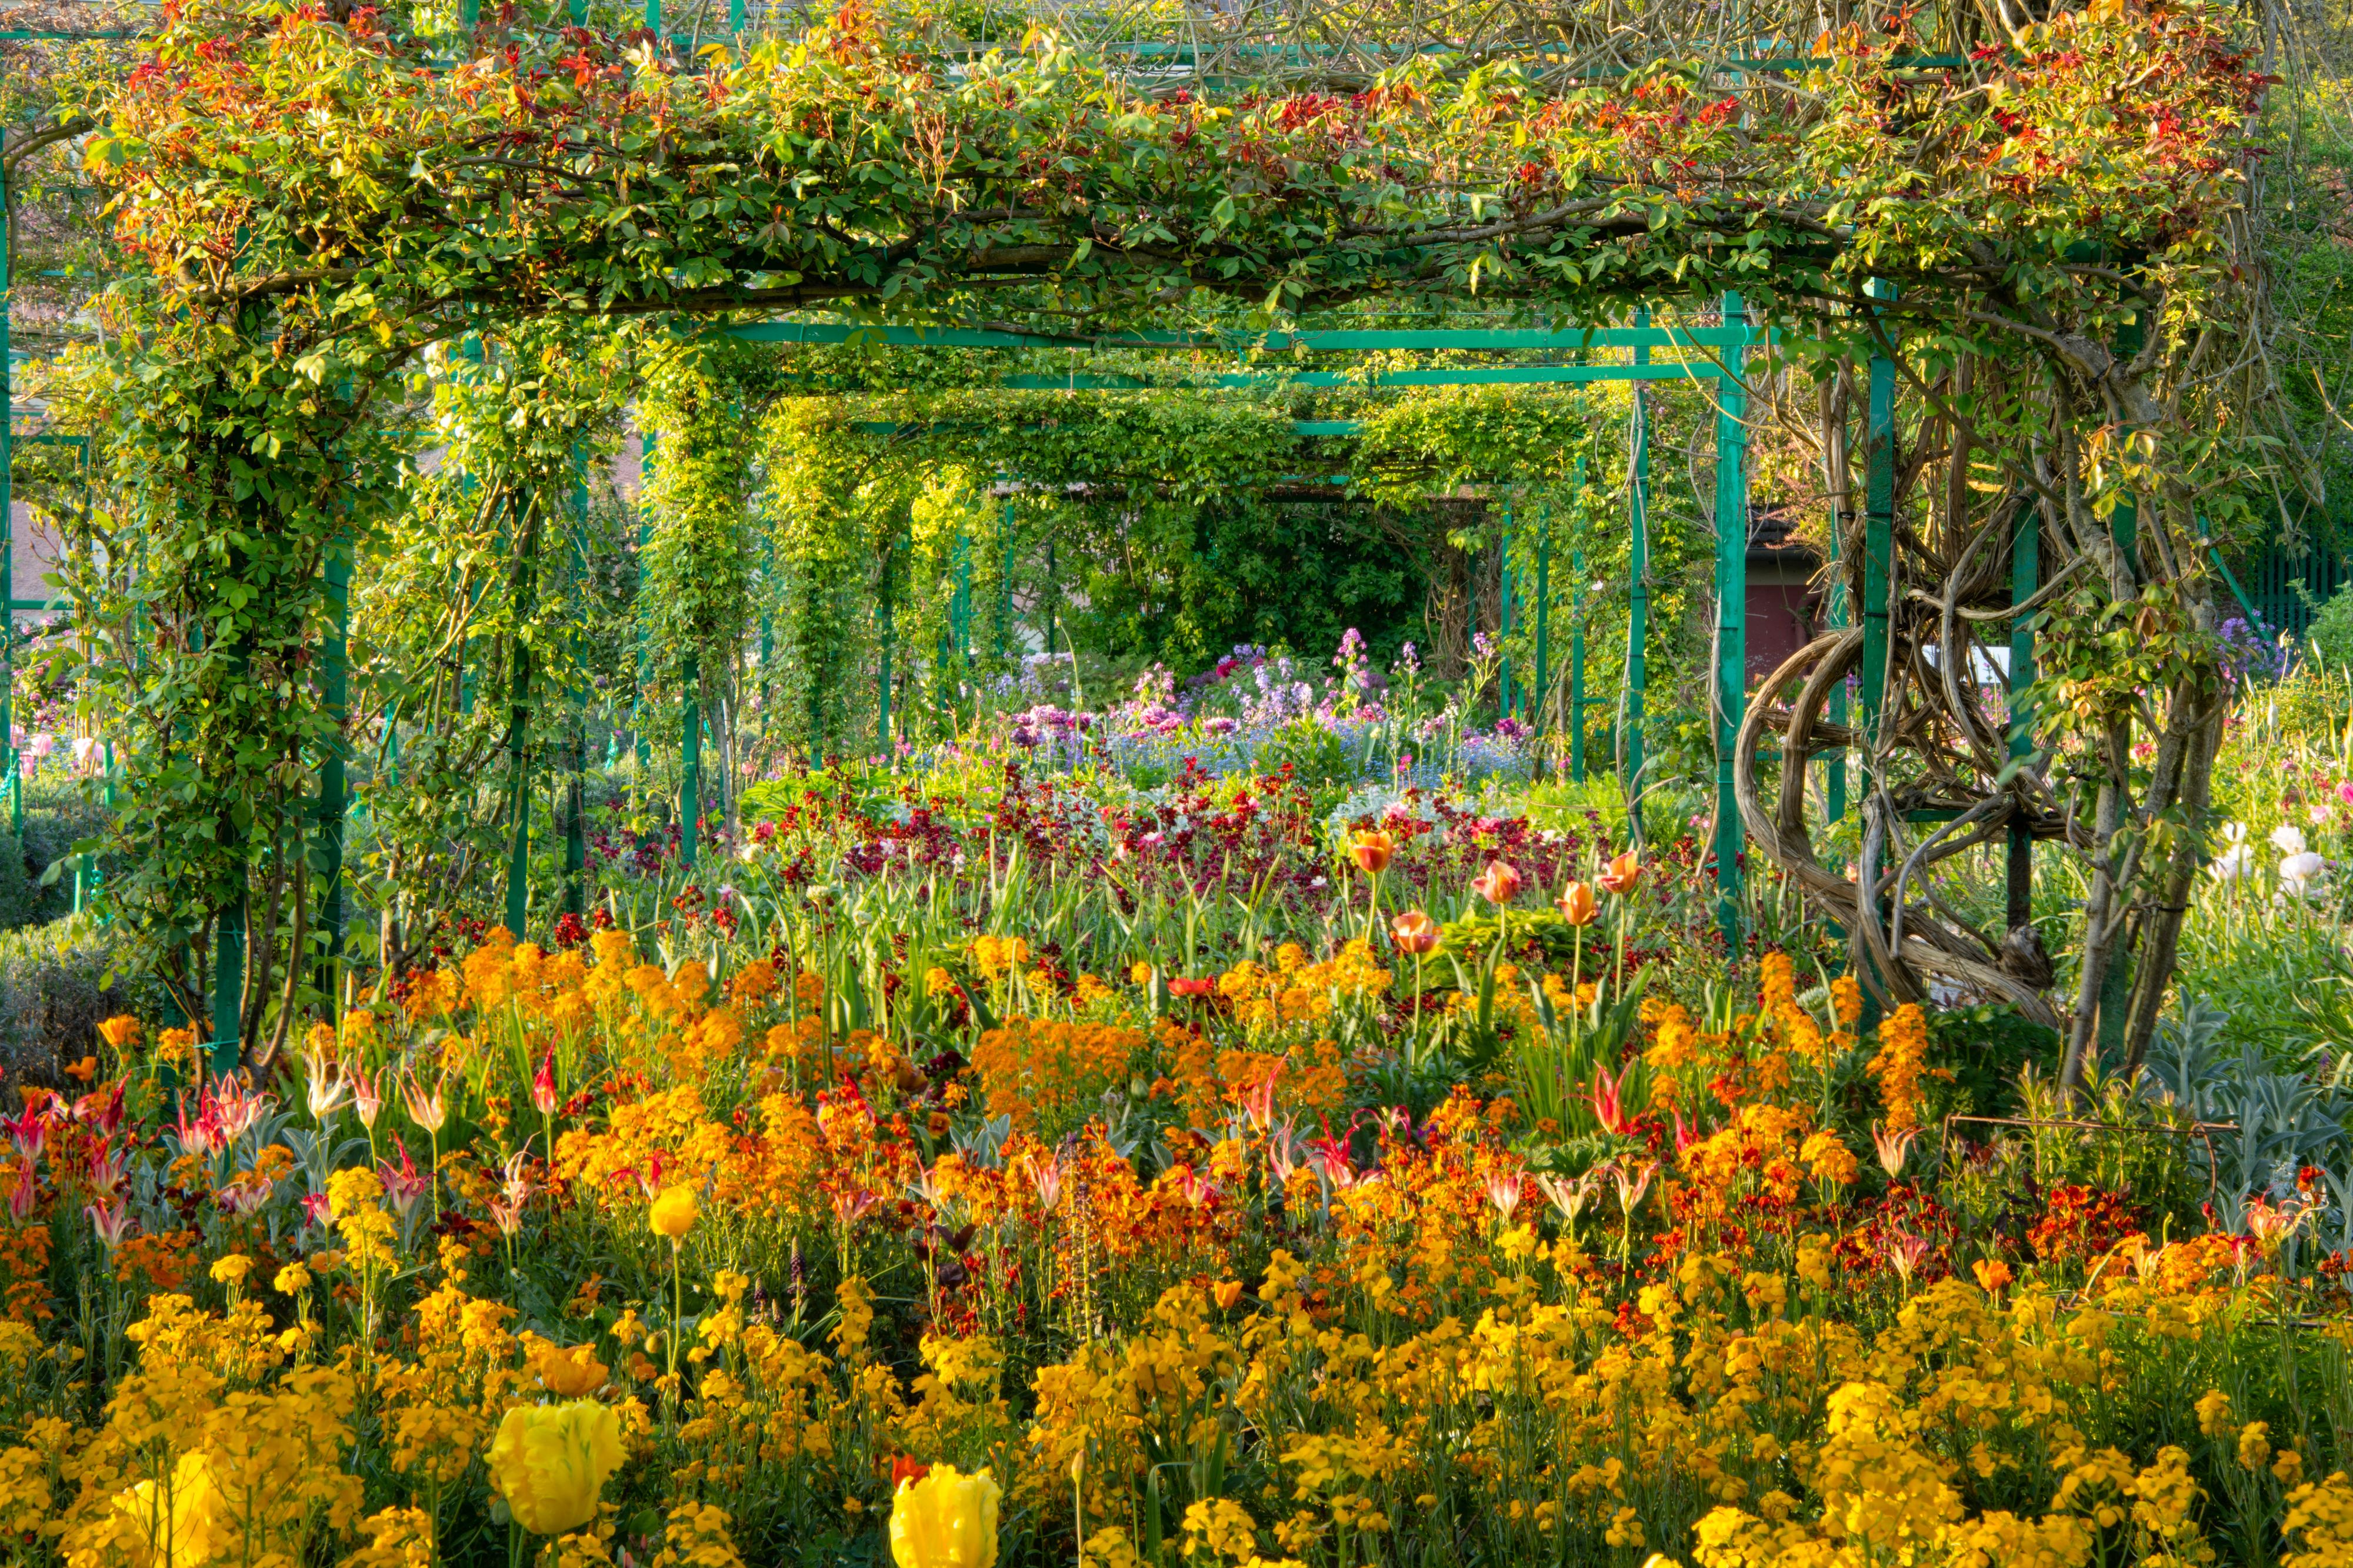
(1414, 934)
(1577, 904)
(1498, 884)
(1372, 852)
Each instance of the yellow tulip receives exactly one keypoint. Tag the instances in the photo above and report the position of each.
(184, 1526)
(674, 1211)
(946, 1521)
(551, 1462)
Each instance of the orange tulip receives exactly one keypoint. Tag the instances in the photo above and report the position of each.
(1498, 884)
(1577, 904)
(1373, 851)
(1622, 874)
(1227, 1292)
(1414, 932)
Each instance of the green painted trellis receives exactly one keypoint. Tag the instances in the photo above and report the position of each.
(1730, 339)
(1732, 537)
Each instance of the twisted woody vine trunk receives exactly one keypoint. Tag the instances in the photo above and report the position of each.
(2037, 429)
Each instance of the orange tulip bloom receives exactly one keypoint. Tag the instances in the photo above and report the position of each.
(1622, 874)
(1414, 932)
(1373, 851)
(1577, 904)
(1498, 884)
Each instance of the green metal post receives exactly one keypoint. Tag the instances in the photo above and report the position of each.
(2124, 523)
(767, 625)
(1878, 557)
(575, 702)
(1839, 615)
(2124, 527)
(1505, 596)
(886, 616)
(1540, 674)
(690, 789)
(8, 759)
(645, 538)
(1005, 580)
(519, 699)
(228, 988)
(1878, 575)
(1577, 666)
(335, 794)
(1576, 627)
(1638, 582)
(1730, 619)
(2025, 577)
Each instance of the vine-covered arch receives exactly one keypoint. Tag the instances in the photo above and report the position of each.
(319, 201)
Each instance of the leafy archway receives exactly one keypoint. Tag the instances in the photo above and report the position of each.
(318, 202)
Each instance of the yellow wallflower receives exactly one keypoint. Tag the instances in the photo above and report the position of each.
(185, 1522)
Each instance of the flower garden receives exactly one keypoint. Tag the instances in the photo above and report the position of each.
(1158, 791)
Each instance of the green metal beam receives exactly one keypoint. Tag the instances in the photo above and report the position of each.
(1369, 339)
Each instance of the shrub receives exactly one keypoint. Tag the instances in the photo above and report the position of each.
(57, 985)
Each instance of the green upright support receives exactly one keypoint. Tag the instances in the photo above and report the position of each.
(1878, 558)
(1005, 580)
(2124, 527)
(334, 793)
(1577, 666)
(1505, 596)
(1540, 667)
(576, 703)
(689, 784)
(645, 538)
(960, 613)
(1838, 614)
(8, 760)
(1878, 575)
(228, 988)
(2025, 577)
(519, 702)
(886, 616)
(1577, 703)
(2124, 523)
(767, 625)
(1637, 580)
(1731, 619)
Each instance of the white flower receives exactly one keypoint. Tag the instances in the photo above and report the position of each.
(2233, 863)
(2233, 833)
(2288, 840)
(2301, 869)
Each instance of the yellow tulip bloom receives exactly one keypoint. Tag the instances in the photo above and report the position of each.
(551, 1462)
(946, 1521)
